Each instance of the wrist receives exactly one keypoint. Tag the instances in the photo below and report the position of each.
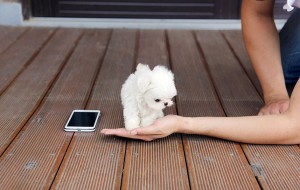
(271, 98)
(183, 126)
(275, 92)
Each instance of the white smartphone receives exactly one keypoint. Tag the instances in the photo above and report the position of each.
(82, 120)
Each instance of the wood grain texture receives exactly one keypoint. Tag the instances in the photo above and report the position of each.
(21, 54)
(159, 164)
(18, 103)
(277, 167)
(212, 163)
(42, 143)
(8, 35)
(235, 40)
(95, 161)
(225, 69)
(241, 98)
(65, 69)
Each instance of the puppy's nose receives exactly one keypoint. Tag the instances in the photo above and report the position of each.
(166, 103)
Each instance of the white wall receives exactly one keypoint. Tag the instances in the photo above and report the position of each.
(10, 13)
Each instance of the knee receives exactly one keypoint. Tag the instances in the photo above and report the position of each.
(291, 67)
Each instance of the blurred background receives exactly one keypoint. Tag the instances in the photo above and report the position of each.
(151, 9)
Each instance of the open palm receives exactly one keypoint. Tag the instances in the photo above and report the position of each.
(162, 127)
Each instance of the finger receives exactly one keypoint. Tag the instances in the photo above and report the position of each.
(274, 111)
(262, 112)
(148, 137)
(120, 131)
(103, 130)
(283, 108)
(151, 130)
(133, 132)
(139, 137)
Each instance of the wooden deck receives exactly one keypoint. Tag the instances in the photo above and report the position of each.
(46, 73)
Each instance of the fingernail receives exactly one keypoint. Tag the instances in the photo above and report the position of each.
(133, 132)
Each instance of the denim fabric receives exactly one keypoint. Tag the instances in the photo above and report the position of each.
(290, 47)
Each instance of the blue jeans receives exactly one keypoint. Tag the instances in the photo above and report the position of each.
(290, 48)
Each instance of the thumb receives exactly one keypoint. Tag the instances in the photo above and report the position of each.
(150, 130)
(133, 132)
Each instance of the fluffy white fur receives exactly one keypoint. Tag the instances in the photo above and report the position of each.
(145, 94)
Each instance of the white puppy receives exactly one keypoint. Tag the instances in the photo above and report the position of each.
(145, 94)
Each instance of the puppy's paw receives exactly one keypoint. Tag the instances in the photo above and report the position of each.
(131, 124)
(147, 121)
(160, 114)
(131, 127)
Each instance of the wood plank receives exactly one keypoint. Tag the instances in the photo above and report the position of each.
(34, 152)
(20, 54)
(276, 166)
(159, 164)
(8, 35)
(95, 161)
(190, 74)
(273, 165)
(239, 97)
(235, 40)
(212, 163)
(19, 102)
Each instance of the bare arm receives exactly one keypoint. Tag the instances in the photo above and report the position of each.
(262, 42)
(269, 129)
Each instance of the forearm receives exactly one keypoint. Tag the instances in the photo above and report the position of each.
(262, 42)
(271, 129)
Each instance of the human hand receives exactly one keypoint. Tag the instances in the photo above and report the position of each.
(275, 107)
(162, 127)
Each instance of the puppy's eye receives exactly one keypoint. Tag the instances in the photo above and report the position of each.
(157, 100)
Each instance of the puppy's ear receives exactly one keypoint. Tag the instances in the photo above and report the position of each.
(143, 82)
(142, 67)
(163, 69)
(171, 75)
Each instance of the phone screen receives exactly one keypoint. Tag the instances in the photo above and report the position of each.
(83, 119)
